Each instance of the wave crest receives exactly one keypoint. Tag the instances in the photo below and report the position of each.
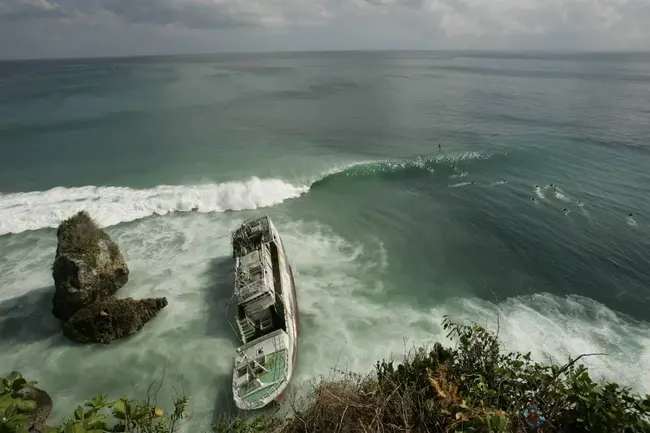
(109, 205)
(35, 210)
(396, 168)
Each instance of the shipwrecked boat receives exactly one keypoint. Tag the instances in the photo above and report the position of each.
(267, 315)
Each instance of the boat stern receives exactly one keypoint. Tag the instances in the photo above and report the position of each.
(262, 370)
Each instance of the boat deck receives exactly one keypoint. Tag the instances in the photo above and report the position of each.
(276, 365)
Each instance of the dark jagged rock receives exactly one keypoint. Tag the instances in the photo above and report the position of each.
(36, 421)
(88, 266)
(111, 319)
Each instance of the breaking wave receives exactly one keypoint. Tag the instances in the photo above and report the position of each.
(110, 205)
(24, 211)
(399, 168)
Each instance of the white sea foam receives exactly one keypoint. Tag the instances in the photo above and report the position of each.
(461, 184)
(113, 205)
(630, 221)
(560, 195)
(185, 257)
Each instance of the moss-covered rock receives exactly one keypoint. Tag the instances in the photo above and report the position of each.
(111, 319)
(88, 266)
(35, 422)
(23, 407)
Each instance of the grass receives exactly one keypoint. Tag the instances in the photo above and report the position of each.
(79, 235)
(473, 387)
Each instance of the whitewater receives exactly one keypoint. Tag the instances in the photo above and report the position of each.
(183, 255)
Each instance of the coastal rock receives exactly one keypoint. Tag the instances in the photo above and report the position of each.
(36, 421)
(111, 319)
(88, 266)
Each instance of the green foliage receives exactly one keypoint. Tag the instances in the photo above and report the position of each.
(478, 388)
(81, 236)
(123, 415)
(98, 415)
(14, 411)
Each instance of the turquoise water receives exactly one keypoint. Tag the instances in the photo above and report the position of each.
(386, 231)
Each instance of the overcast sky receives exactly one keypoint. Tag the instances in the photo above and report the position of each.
(69, 28)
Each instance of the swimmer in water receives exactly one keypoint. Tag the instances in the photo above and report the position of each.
(565, 210)
(472, 182)
(532, 198)
(536, 186)
(630, 214)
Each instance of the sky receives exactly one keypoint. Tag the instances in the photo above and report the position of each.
(79, 28)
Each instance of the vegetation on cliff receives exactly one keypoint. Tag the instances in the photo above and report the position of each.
(474, 387)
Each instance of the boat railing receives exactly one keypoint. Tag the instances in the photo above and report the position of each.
(247, 290)
(248, 236)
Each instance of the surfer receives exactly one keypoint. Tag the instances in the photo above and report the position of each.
(472, 183)
(439, 146)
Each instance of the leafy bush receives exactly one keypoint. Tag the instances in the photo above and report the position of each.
(14, 411)
(96, 416)
(80, 235)
(123, 415)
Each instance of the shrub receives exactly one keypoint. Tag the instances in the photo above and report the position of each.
(123, 415)
(14, 411)
(98, 415)
(80, 235)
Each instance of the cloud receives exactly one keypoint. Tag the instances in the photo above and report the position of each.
(218, 14)
(250, 25)
(20, 10)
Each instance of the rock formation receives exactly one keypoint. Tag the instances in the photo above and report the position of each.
(88, 270)
(110, 319)
(88, 266)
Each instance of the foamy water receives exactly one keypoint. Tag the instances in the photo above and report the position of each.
(113, 205)
(185, 257)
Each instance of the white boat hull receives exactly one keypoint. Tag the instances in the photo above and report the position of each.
(264, 364)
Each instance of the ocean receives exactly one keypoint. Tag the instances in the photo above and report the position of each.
(402, 184)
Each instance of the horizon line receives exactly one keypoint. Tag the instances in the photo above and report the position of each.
(519, 52)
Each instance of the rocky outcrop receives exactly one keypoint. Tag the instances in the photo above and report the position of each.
(110, 319)
(88, 266)
(88, 270)
(35, 423)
